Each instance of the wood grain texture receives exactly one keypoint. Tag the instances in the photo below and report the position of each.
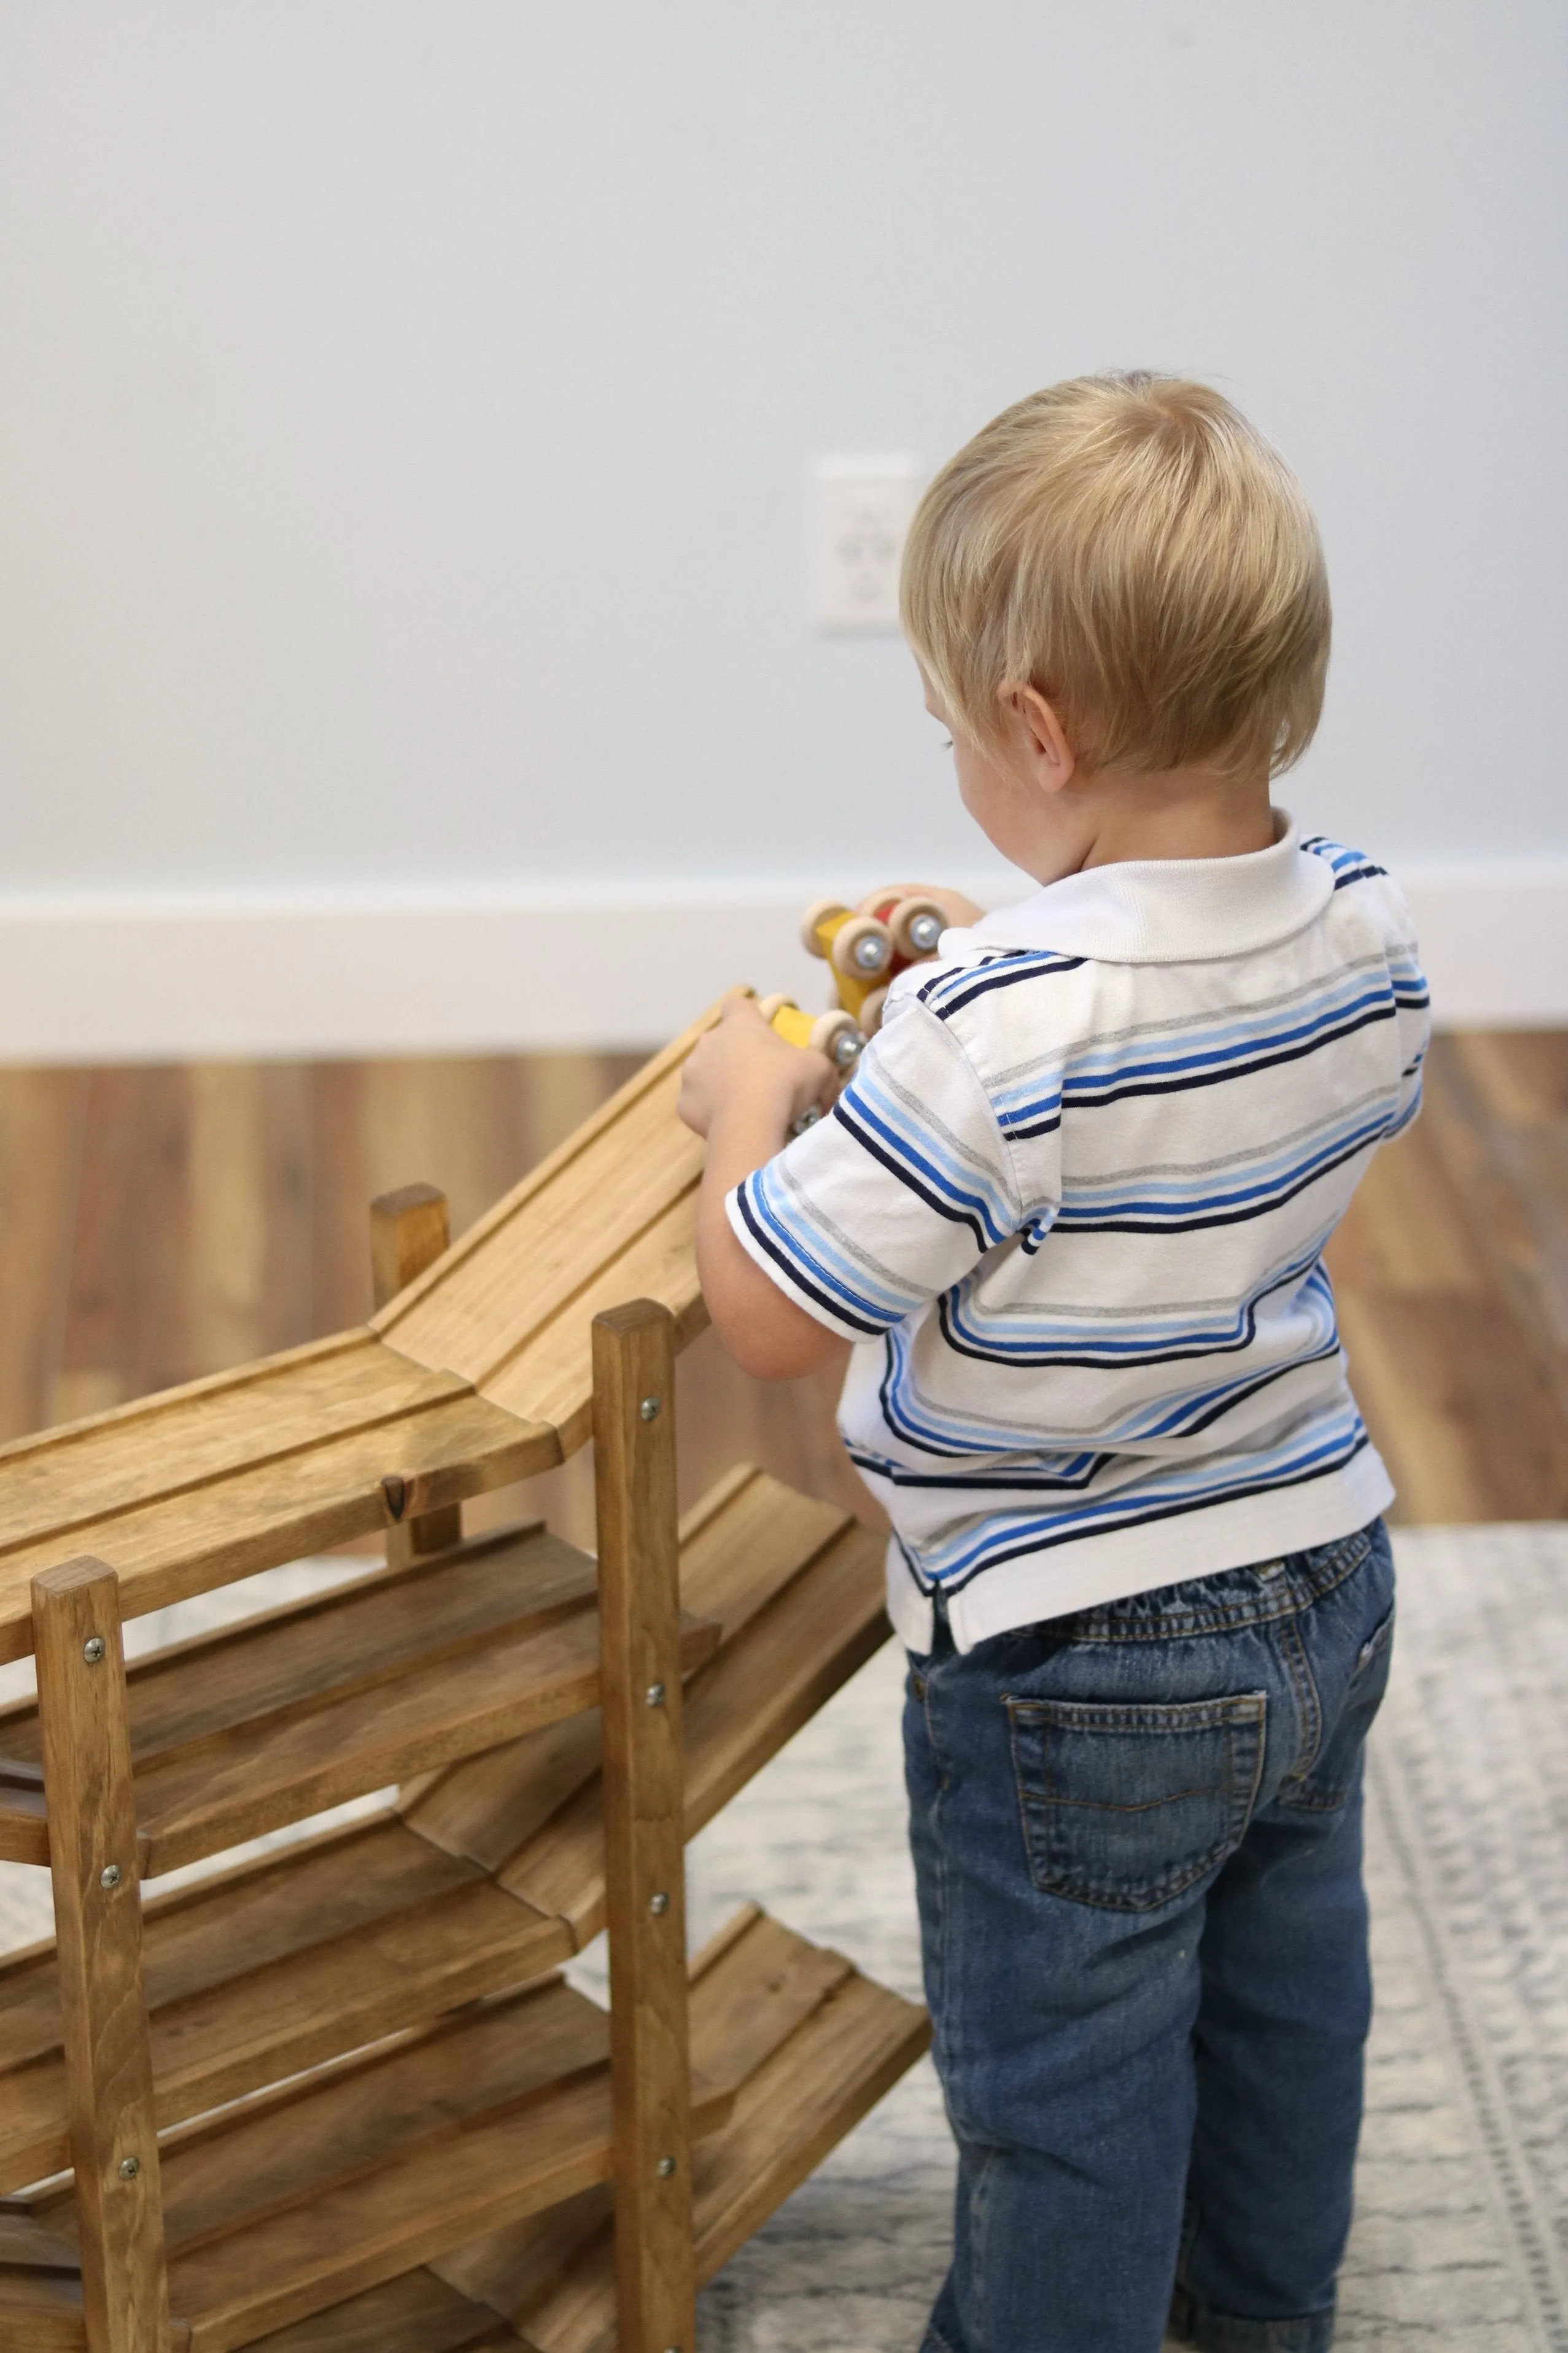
(43, 1122)
(410, 1230)
(278, 1970)
(536, 1257)
(41, 2312)
(1443, 1269)
(739, 1546)
(108, 2058)
(845, 2043)
(738, 1710)
(318, 2191)
(130, 1254)
(186, 1492)
(644, 1858)
(239, 1732)
(416, 2314)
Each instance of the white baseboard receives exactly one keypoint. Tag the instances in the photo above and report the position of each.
(216, 976)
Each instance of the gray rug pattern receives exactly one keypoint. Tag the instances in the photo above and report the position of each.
(1461, 2237)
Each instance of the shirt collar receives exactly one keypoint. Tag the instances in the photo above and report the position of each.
(1162, 910)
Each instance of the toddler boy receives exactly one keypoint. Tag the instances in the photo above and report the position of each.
(1071, 1210)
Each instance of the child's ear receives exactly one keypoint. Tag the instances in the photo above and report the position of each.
(1040, 738)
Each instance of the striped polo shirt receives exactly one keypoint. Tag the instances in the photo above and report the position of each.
(1071, 1208)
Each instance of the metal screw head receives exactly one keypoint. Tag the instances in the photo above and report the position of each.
(130, 2167)
(665, 2168)
(109, 1875)
(868, 953)
(92, 1650)
(655, 1694)
(846, 1048)
(923, 933)
(648, 1409)
(659, 1904)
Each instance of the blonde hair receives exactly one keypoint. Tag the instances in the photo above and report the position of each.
(1132, 547)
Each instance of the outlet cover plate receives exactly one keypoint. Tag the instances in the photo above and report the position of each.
(861, 512)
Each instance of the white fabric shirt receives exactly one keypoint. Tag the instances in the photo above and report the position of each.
(1072, 1209)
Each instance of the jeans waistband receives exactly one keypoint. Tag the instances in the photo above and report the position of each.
(1281, 1588)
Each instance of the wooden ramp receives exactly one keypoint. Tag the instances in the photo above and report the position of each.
(338, 2098)
(476, 1375)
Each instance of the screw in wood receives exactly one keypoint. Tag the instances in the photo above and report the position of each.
(130, 2167)
(655, 1694)
(92, 1649)
(109, 1875)
(648, 1409)
(659, 1904)
(665, 2168)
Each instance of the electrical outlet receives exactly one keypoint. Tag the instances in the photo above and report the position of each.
(861, 510)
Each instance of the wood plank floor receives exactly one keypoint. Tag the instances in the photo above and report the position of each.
(160, 1223)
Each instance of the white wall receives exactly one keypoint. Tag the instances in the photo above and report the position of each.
(405, 410)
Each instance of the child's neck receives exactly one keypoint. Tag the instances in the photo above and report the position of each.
(1115, 816)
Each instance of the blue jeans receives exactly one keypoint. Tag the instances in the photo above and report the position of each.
(1138, 1846)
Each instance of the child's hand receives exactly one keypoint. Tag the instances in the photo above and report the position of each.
(953, 903)
(744, 1067)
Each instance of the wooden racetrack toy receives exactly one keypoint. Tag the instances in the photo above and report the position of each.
(337, 2097)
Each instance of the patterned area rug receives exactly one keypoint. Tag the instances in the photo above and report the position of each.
(1461, 2237)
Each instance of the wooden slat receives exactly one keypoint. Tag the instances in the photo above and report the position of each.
(25, 2241)
(216, 1524)
(269, 1909)
(329, 1698)
(740, 1546)
(510, 1306)
(359, 1635)
(234, 1473)
(847, 2049)
(755, 1985)
(297, 1965)
(349, 1692)
(476, 2126)
(23, 1830)
(756, 1692)
(639, 1584)
(98, 1915)
(318, 2253)
(237, 1787)
(317, 2196)
(175, 1439)
(41, 2312)
(416, 2314)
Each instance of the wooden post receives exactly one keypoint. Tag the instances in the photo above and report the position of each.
(98, 1926)
(410, 1230)
(639, 1603)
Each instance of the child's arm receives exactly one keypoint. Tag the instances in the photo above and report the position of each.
(742, 1087)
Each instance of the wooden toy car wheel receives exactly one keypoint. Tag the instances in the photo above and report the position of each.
(871, 1011)
(819, 912)
(916, 925)
(839, 1036)
(862, 948)
(768, 1005)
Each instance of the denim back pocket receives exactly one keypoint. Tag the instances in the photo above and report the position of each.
(1127, 1806)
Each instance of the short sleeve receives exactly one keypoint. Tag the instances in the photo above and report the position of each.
(895, 1195)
